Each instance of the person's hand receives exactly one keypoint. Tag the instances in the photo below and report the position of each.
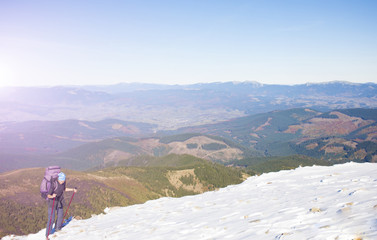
(75, 190)
(52, 196)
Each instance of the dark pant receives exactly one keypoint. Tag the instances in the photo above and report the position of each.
(59, 220)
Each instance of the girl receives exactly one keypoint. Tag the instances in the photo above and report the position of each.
(57, 193)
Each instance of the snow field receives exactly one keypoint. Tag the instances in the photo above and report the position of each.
(337, 202)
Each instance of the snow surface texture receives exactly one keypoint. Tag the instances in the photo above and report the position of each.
(337, 202)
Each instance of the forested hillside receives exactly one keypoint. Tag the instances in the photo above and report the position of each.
(23, 211)
(341, 135)
(335, 136)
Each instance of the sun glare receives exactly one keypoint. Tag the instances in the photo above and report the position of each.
(6, 76)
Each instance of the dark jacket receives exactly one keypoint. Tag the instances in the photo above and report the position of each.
(58, 189)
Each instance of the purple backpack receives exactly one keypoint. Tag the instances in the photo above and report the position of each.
(50, 178)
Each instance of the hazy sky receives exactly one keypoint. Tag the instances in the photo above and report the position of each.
(58, 42)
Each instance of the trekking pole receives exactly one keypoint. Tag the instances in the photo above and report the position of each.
(52, 210)
(68, 205)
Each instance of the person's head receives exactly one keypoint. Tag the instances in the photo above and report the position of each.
(61, 177)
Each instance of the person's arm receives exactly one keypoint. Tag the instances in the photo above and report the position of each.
(51, 193)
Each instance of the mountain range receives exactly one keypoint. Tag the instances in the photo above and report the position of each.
(175, 106)
(136, 142)
(345, 134)
(336, 136)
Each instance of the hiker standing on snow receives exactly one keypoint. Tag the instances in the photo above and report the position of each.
(57, 193)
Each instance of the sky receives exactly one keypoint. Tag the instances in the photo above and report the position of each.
(92, 42)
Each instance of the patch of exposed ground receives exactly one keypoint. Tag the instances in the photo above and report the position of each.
(116, 156)
(129, 129)
(371, 133)
(360, 154)
(224, 154)
(148, 144)
(86, 126)
(245, 176)
(311, 146)
(342, 141)
(77, 139)
(319, 127)
(102, 178)
(254, 135)
(175, 176)
(333, 149)
(261, 127)
(293, 129)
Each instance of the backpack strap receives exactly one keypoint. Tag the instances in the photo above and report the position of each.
(54, 183)
(47, 185)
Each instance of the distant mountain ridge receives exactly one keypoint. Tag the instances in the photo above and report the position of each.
(47, 137)
(126, 151)
(335, 136)
(341, 135)
(174, 106)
